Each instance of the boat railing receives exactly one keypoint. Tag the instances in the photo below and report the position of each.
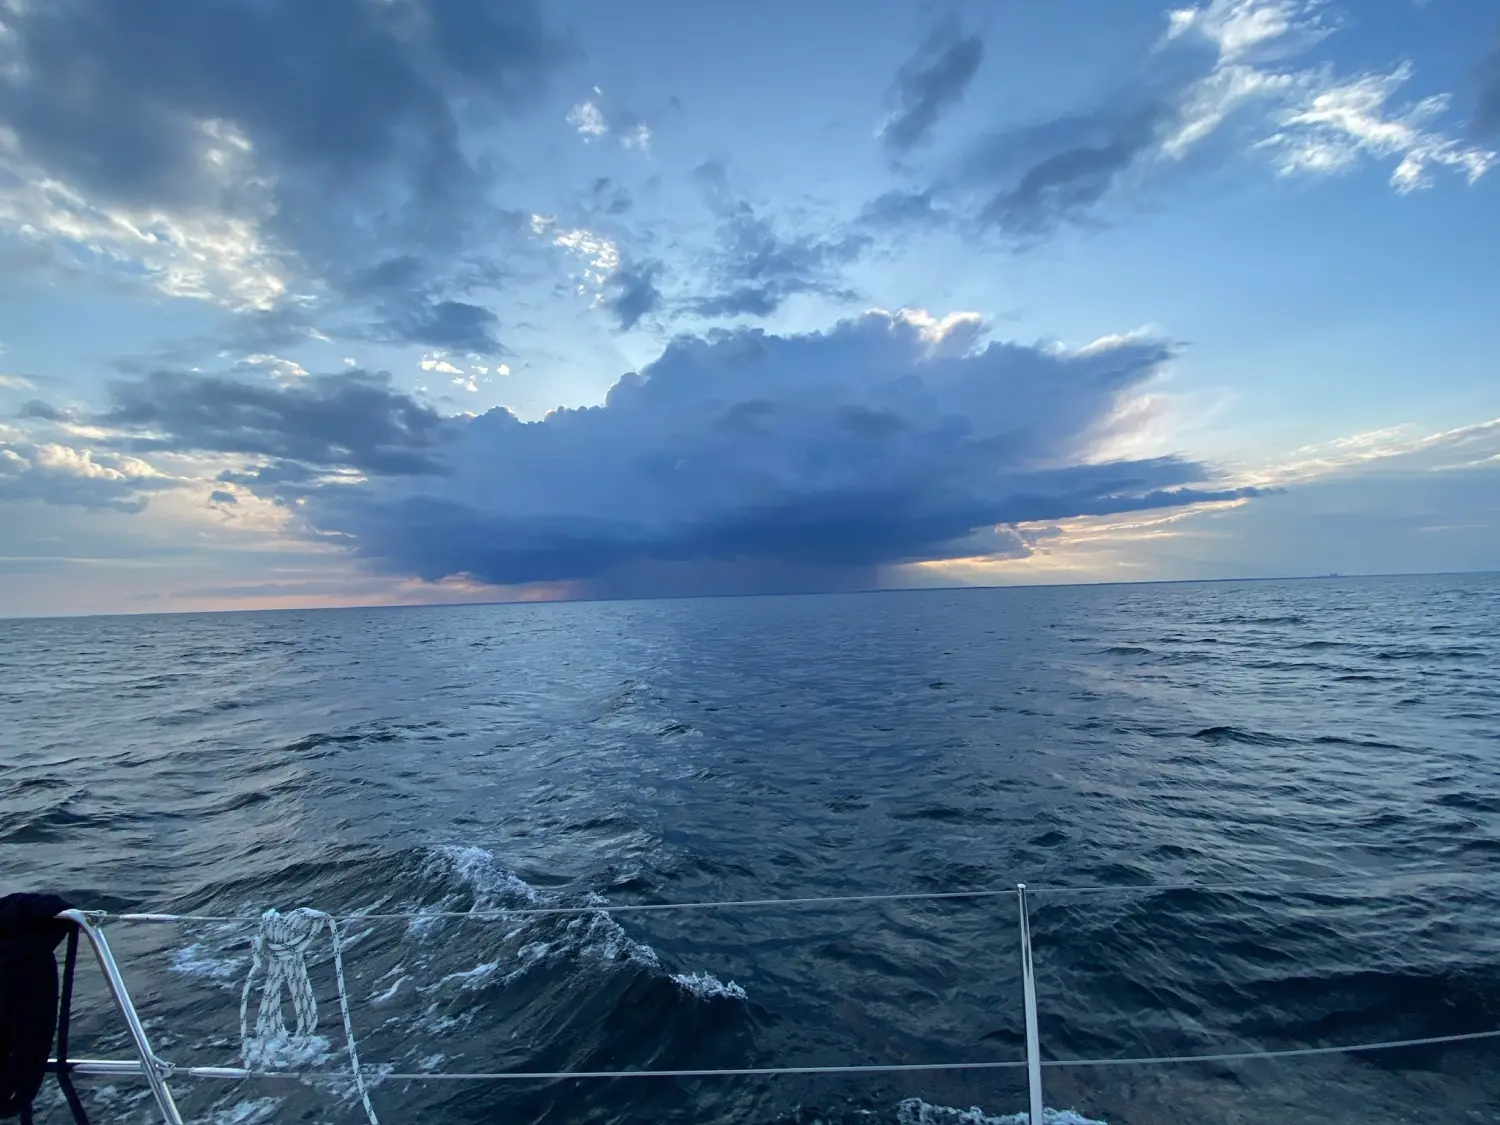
(157, 1071)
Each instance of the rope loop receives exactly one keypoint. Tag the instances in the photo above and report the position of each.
(279, 955)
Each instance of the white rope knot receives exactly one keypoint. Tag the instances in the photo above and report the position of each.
(286, 937)
(279, 952)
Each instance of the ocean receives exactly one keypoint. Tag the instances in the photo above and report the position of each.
(1335, 739)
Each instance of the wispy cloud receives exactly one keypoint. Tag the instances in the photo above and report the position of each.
(933, 80)
(1324, 123)
(1231, 71)
(756, 266)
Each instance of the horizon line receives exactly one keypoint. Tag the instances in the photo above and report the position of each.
(1332, 576)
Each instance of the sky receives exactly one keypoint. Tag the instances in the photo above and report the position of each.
(410, 301)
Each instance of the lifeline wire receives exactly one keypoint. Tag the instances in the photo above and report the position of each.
(873, 1068)
(835, 900)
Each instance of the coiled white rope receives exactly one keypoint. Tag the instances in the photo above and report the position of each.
(280, 949)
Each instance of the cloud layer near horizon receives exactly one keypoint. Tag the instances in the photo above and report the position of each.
(887, 439)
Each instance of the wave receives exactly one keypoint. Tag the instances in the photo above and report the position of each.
(1230, 734)
(530, 941)
(706, 986)
(1249, 619)
(914, 1111)
(251, 1112)
(1363, 743)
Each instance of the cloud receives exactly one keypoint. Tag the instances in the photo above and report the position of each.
(1059, 172)
(588, 119)
(609, 197)
(352, 420)
(61, 474)
(631, 293)
(43, 412)
(1324, 123)
(1245, 28)
(738, 457)
(274, 365)
(232, 151)
(1227, 72)
(636, 136)
(455, 325)
(905, 209)
(1339, 124)
(600, 255)
(933, 80)
(755, 268)
(1486, 119)
(1397, 448)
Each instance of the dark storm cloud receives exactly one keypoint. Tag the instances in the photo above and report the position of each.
(887, 439)
(755, 267)
(632, 293)
(933, 80)
(352, 420)
(343, 109)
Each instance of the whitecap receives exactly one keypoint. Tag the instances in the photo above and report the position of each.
(914, 1111)
(390, 993)
(199, 961)
(247, 1112)
(706, 986)
(470, 978)
(285, 1052)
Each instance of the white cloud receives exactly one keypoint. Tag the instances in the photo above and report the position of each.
(588, 119)
(1211, 100)
(1324, 124)
(1243, 27)
(1180, 21)
(62, 474)
(601, 259)
(202, 254)
(16, 382)
(638, 136)
(951, 335)
(1464, 447)
(1339, 123)
(276, 366)
(438, 361)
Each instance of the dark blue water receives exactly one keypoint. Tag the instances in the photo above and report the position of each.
(498, 756)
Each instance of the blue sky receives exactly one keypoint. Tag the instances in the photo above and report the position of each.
(400, 301)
